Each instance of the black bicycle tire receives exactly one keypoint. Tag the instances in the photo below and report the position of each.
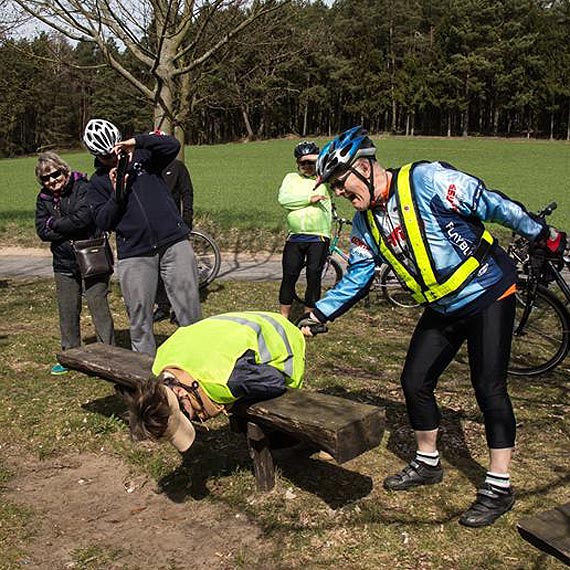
(380, 292)
(208, 256)
(337, 270)
(558, 317)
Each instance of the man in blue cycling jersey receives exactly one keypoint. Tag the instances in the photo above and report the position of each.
(425, 220)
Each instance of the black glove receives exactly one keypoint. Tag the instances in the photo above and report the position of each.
(316, 327)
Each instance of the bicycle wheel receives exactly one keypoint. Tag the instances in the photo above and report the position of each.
(208, 256)
(387, 287)
(545, 340)
(332, 273)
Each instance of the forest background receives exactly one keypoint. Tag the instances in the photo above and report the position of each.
(414, 67)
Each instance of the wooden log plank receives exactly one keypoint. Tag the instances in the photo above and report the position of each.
(112, 363)
(549, 531)
(341, 427)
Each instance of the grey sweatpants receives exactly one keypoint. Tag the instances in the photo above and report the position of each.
(138, 277)
(69, 289)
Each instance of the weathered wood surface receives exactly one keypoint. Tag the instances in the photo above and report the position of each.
(549, 531)
(260, 453)
(341, 427)
(117, 365)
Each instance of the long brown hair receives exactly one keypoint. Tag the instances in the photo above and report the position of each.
(148, 409)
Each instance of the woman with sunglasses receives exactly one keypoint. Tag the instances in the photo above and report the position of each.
(309, 228)
(63, 215)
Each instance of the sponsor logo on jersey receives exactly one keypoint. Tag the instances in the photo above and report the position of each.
(396, 236)
(450, 196)
(456, 238)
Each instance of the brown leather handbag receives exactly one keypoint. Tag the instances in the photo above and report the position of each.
(94, 256)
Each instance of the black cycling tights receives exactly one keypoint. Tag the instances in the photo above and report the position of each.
(294, 256)
(435, 342)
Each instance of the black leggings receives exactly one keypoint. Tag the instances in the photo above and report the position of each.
(435, 342)
(294, 255)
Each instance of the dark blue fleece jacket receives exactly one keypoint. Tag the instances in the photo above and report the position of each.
(149, 220)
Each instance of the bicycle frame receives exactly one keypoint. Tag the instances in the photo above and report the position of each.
(537, 272)
(333, 247)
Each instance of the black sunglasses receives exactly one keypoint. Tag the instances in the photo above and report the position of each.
(55, 174)
(339, 183)
(306, 163)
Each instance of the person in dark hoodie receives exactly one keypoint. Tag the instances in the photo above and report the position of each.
(152, 238)
(63, 215)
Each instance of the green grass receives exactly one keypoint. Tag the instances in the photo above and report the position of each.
(236, 184)
(320, 515)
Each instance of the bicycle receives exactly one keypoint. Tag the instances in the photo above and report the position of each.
(208, 256)
(385, 285)
(541, 336)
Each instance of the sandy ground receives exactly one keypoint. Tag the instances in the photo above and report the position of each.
(92, 502)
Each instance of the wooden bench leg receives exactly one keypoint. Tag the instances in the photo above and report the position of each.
(260, 453)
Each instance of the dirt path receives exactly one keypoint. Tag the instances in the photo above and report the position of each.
(89, 503)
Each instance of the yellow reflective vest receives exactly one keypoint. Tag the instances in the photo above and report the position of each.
(425, 286)
(209, 349)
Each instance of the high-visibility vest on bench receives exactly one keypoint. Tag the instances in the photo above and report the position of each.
(426, 288)
(209, 349)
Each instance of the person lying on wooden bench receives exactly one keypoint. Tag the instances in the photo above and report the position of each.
(205, 367)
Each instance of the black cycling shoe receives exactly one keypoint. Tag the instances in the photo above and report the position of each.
(490, 504)
(160, 315)
(413, 475)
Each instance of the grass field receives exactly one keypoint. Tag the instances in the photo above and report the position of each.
(319, 516)
(236, 184)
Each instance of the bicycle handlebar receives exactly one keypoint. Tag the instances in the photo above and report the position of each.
(338, 218)
(547, 210)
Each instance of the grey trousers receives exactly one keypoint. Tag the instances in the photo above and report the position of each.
(69, 289)
(139, 278)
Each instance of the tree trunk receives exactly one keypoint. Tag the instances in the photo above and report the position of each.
(245, 116)
(568, 123)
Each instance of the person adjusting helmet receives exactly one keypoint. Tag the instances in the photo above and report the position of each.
(100, 136)
(306, 149)
(309, 216)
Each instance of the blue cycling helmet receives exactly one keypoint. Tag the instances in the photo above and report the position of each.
(342, 152)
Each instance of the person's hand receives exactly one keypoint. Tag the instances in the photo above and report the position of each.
(310, 325)
(127, 146)
(556, 242)
(317, 198)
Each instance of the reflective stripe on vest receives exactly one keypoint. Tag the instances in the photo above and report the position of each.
(264, 353)
(429, 289)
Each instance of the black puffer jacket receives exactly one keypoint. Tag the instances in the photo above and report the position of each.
(149, 220)
(60, 219)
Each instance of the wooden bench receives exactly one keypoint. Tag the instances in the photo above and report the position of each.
(549, 531)
(341, 427)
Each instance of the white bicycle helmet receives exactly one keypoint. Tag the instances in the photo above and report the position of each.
(100, 136)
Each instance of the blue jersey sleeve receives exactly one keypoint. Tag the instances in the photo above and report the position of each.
(355, 284)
